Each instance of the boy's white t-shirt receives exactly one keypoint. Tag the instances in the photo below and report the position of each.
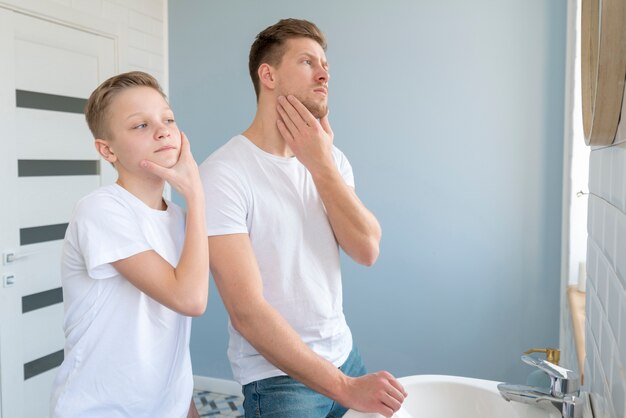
(126, 355)
(274, 200)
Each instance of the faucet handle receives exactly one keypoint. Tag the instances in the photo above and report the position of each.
(553, 355)
(552, 369)
(563, 381)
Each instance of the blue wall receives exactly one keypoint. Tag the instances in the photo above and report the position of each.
(451, 113)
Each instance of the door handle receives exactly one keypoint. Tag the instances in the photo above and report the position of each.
(9, 257)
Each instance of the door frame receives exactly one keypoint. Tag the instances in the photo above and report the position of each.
(9, 238)
(75, 19)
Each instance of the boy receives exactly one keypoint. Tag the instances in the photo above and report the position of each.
(133, 269)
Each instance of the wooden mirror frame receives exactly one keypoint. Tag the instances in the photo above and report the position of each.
(603, 68)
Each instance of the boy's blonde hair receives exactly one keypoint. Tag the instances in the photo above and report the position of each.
(96, 109)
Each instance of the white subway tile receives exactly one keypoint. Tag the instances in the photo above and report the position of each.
(615, 295)
(595, 378)
(595, 320)
(591, 208)
(144, 41)
(139, 57)
(152, 8)
(621, 321)
(592, 263)
(599, 389)
(607, 348)
(93, 7)
(617, 389)
(154, 72)
(160, 77)
(158, 62)
(609, 399)
(602, 279)
(115, 12)
(605, 173)
(594, 171)
(139, 68)
(145, 24)
(620, 410)
(589, 314)
(606, 400)
(617, 177)
(63, 2)
(620, 248)
(589, 341)
(622, 333)
(610, 229)
(598, 222)
(606, 297)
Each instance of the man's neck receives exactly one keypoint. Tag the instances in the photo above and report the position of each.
(264, 133)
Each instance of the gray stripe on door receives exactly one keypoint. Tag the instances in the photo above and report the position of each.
(44, 233)
(43, 364)
(45, 101)
(42, 299)
(37, 168)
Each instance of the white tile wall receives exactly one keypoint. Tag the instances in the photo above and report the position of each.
(89, 6)
(605, 327)
(64, 2)
(142, 34)
(116, 12)
(146, 24)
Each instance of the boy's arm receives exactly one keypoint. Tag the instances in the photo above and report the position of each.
(355, 227)
(238, 280)
(185, 288)
(193, 412)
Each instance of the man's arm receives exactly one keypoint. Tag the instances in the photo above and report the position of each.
(356, 229)
(238, 280)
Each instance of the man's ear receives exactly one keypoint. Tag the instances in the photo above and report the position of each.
(104, 149)
(266, 76)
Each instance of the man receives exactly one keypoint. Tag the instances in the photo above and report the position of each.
(282, 201)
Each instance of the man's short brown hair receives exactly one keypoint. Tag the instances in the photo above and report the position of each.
(96, 110)
(268, 47)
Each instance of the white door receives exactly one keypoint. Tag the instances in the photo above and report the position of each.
(47, 162)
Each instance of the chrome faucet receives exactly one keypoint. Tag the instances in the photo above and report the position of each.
(563, 393)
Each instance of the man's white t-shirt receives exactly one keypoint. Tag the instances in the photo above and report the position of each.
(274, 200)
(126, 355)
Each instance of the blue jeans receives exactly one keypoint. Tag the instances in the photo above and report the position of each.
(284, 397)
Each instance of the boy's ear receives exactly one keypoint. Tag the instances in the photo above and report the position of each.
(104, 149)
(266, 75)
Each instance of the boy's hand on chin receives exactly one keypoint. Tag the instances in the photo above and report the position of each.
(182, 176)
